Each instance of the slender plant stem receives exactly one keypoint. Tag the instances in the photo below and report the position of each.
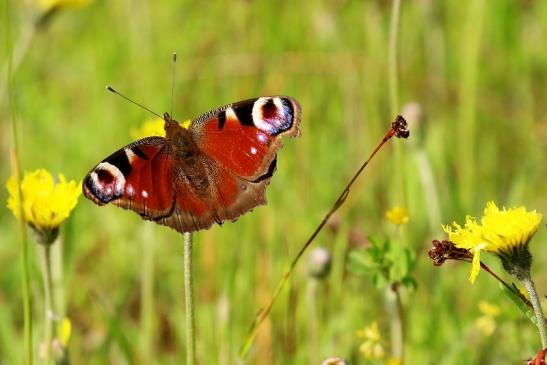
(392, 57)
(398, 187)
(265, 310)
(147, 296)
(313, 284)
(45, 256)
(27, 314)
(470, 69)
(397, 324)
(189, 300)
(531, 288)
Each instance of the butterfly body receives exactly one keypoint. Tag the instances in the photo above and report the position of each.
(215, 170)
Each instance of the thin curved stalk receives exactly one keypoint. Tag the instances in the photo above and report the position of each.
(189, 300)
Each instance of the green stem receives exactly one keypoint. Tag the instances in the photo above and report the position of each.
(470, 69)
(189, 300)
(313, 320)
(394, 307)
(392, 57)
(399, 184)
(531, 288)
(147, 296)
(49, 314)
(25, 279)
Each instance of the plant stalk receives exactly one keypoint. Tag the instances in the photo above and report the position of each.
(189, 300)
(531, 288)
(49, 315)
(147, 296)
(25, 278)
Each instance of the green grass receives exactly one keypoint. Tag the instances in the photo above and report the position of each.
(484, 136)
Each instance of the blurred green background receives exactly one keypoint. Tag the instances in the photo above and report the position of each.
(475, 75)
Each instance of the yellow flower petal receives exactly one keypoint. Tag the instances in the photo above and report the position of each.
(151, 127)
(503, 232)
(476, 266)
(65, 328)
(186, 123)
(46, 204)
(397, 215)
(154, 127)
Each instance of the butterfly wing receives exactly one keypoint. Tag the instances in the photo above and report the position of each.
(237, 147)
(136, 177)
(242, 139)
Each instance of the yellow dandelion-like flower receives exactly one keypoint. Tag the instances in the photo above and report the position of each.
(397, 215)
(371, 348)
(46, 204)
(504, 232)
(153, 127)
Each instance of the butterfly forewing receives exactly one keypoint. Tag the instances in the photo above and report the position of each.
(245, 136)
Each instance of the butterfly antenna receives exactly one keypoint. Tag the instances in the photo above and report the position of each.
(173, 81)
(110, 88)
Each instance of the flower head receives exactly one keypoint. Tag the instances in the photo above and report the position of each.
(153, 127)
(371, 348)
(397, 215)
(504, 232)
(46, 204)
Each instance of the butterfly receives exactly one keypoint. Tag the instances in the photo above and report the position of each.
(215, 170)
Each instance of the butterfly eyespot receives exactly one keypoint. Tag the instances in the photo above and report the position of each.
(243, 187)
(269, 110)
(105, 177)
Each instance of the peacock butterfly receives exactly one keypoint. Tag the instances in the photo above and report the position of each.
(215, 170)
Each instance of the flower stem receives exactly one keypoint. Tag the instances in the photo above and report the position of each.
(392, 57)
(147, 296)
(394, 307)
(45, 255)
(27, 314)
(531, 288)
(189, 300)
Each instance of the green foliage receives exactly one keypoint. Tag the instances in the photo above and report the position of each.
(332, 57)
(386, 263)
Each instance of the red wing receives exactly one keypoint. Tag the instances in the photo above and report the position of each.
(244, 137)
(143, 177)
(136, 177)
(228, 196)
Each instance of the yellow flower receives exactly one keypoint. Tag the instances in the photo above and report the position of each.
(64, 330)
(488, 309)
(397, 215)
(504, 232)
(486, 323)
(371, 348)
(46, 204)
(394, 361)
(153, 127)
